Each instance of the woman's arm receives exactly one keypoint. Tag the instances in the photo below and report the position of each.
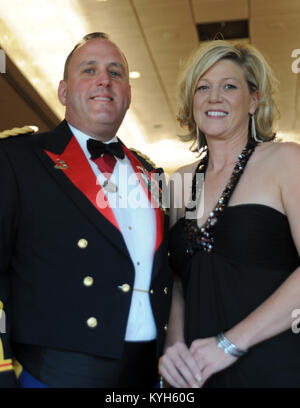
(178, 365)
(274, 315)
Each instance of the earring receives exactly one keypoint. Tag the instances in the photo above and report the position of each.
(198, 138)
(253, 130)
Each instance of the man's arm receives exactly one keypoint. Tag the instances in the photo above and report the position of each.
(8, 221)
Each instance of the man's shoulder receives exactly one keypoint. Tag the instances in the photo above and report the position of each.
(17, 133)
(145, 160)
(25, 136)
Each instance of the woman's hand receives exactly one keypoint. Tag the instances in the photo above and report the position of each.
(209, 357)
(179, 367)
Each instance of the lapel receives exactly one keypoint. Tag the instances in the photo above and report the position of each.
(60, 153)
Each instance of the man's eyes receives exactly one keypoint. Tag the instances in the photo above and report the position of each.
(89, 70)
(113, 73)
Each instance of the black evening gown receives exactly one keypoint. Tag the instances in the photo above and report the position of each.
(253, 255)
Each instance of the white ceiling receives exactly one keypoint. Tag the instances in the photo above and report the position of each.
(156, 36)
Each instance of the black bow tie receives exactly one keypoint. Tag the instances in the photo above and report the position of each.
(97, 148)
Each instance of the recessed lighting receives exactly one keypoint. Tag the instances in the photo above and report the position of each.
(101, 1)
(36, 81)
(21, 63)
(134, 74)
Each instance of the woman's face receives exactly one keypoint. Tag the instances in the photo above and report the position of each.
(222, 102)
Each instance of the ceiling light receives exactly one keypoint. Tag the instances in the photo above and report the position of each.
(43, 54)
(225, 30)
(134, 74)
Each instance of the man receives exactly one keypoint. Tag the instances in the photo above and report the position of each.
(84, 281)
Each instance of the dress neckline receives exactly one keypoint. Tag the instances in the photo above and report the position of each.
(243, 206)
(203, 236)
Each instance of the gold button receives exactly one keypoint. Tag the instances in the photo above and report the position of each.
(82, 243)
(92, 322)
(125, 287)
(88, 281)
(151, 291)
(165, 290)
(166, 327)
(169, 253)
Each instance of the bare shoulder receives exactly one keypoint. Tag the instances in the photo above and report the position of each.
(188, 168)
(283, 159)
(287, 155)
(289, 150)
(289, 164)
(283, 149)
(283, 154)
(178, 184)
(178, 180)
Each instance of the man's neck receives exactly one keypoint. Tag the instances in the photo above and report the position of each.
(81, 133)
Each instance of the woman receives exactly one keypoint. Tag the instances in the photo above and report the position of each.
(237, 263)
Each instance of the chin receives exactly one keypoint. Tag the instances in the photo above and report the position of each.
(215, 133)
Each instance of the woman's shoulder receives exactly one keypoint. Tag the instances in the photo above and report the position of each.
(288, 152)
(289, 160)
(281, 151)
(187, 168)
(288, 148)
(282, 159)
(178, 185)
(283, 146)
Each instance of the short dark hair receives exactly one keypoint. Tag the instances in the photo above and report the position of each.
(86, 38)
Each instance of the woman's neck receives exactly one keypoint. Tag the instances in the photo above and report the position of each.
(224, 153)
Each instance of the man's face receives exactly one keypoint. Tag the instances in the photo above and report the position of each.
(96, 92)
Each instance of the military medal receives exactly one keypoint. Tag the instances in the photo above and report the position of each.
(61, 165)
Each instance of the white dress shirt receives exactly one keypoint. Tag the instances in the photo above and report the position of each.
(137, 223)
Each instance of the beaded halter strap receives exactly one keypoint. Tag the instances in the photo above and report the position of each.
(202, 238)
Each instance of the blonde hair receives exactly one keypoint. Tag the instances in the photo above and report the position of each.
(258, 75)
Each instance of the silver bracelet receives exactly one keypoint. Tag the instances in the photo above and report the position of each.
(228, 347)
